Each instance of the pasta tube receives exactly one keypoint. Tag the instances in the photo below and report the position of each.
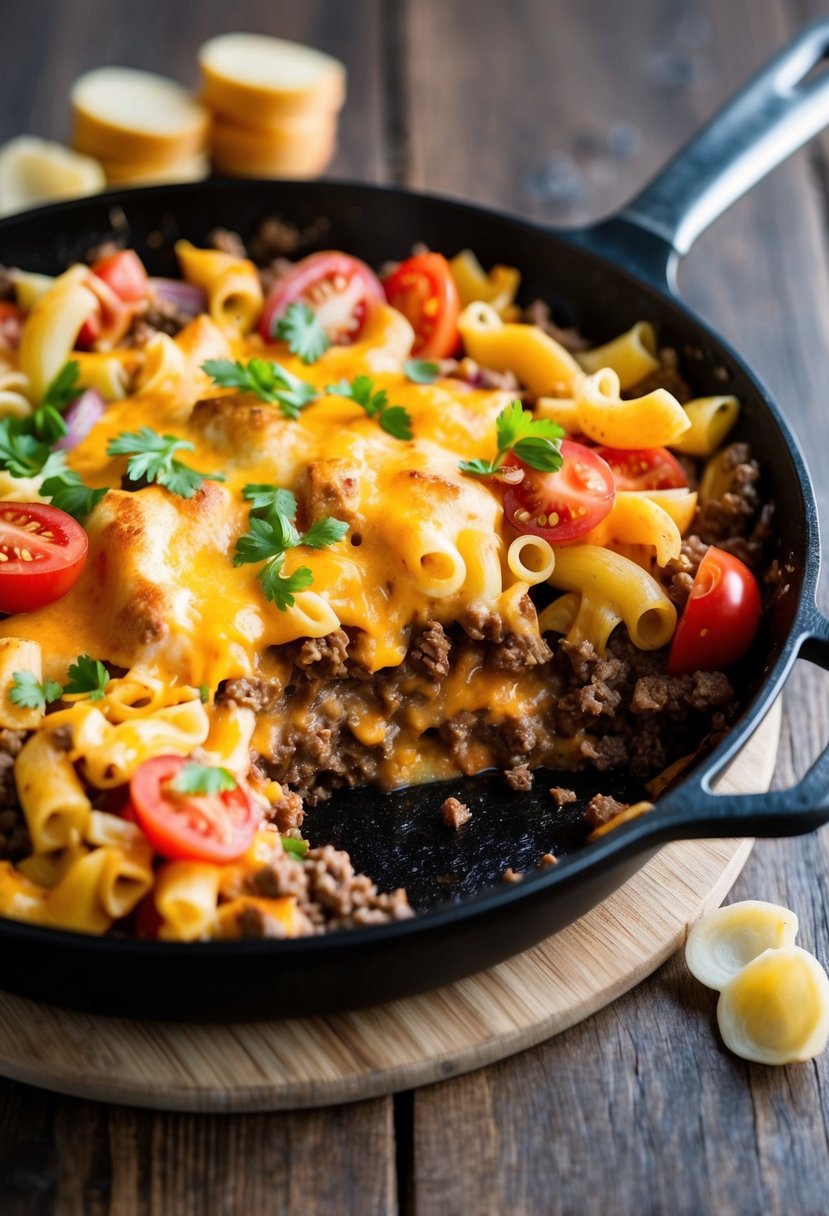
(632, 356)
(538, 361)
(653, 421)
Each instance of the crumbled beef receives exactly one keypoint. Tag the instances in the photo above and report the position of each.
(519, 651)
(254, 922)
(62, 738)
(159, 317)
(324, 658)
(674, 695)
(731, 516)
(332, 487)
(602, 808)
(106, 249)
(430, 650)
(14, 834)
(538, 313)
(666, 376)
(519, 778)
(482, 624)
(469, 372)
(227, 241)
(270, 274)
(250, 692)
(605, 752)
(287, 812)
(275, 238)
(455, 813)
(562, 796)
(680, 571)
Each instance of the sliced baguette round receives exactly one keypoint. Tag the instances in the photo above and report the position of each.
(125, 114)
(140, 173)
(257, 80)
(301, 148)
(36, 171)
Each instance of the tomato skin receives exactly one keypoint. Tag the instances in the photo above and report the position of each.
(190, 827)
(422, 288)
(644, 468)
(342, 311)
(721, 618)
(580, 494)
(124, 272)
(58, 558)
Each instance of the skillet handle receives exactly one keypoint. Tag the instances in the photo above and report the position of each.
(697, 812)
(777, 112)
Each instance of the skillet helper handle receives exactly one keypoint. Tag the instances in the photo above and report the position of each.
(777, 112)
(790, 812)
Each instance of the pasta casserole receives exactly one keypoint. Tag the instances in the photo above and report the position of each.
(276, 528)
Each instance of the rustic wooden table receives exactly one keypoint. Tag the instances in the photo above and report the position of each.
(558, 111)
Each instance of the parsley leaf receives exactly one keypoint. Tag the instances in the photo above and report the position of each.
(535, 441)
(204, 693)
(151, 459)
(29, 693)
(268, 380)
(324, 532)
(263, 497)
(421, 371)
(67, 490)
(279, 588)
(393, 419)
(20, 451)
(194, 778)
(87, 675)
(298, 849)
(268, 535)
(62, 390)
(300, 328)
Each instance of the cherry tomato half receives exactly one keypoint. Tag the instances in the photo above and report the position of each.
(43, 552)
(341, 290)
(110, 319)
(720, 619)
(422, 288)
(561, 506)
(644, 468)
(192, 827)
(124, 272)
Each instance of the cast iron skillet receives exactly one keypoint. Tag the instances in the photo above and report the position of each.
(603, 278)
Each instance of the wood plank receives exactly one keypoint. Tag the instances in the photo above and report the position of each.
(599, 1111)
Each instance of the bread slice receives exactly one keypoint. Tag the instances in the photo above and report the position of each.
(141, 173)
(257, 80)
(300, 147)
(125, 114)
(35, 171)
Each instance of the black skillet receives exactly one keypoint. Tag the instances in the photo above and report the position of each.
(602, 278)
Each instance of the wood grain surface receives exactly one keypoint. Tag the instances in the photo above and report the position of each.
(301, 1062)
(559, 111)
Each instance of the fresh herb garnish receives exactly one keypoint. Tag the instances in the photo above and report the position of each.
(151, 459)
(204, 693)
(421, 371)
(393, 419)
(272, 532)
(300, 328)
(30, 693)
(268, 380)
(194, 778)
(21, 452)
(294, 847)
(46, 421)
(67, 490)
(535, 441)
(87, 675)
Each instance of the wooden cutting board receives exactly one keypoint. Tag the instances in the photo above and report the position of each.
(320, 1061)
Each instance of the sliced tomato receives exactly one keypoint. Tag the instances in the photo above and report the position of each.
(124, 272)
(193, 827)
(342, 291)
(720, 619)
(42, 554)
(644, 468)
(422, 288)
(11, 322)
(561, 506)
(109, 321)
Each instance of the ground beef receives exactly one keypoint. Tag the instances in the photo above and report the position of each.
(605, 752)
(538, 313)
(275, 238)
(680, 572)
(332, 487)
(160, 317)
(14, 835)
(602, 808)
(287, 813)
(227, 241)
(468, 371)
(106, 249)
(519, 651)
(324, 658)
(482, 624)
(738, 521)
(519, 778)
(562, 796)
(430, 650)
(328, 892)
(455, 813)
(666, 376)
(250, 693)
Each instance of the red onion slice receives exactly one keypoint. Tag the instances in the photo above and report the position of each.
(188, 299)
(80, 418)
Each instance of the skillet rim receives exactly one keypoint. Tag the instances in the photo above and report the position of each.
(635, 837)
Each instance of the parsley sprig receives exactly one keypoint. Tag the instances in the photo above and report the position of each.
(30, 693)
(535, 441)
(68, 491)
(22, 453)
(206, 779)
(300, 328)
(272, 532)
(87, 675)
(270, 382)
(421, 371)
(393, 419)
(46, 421)
(152, 459)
